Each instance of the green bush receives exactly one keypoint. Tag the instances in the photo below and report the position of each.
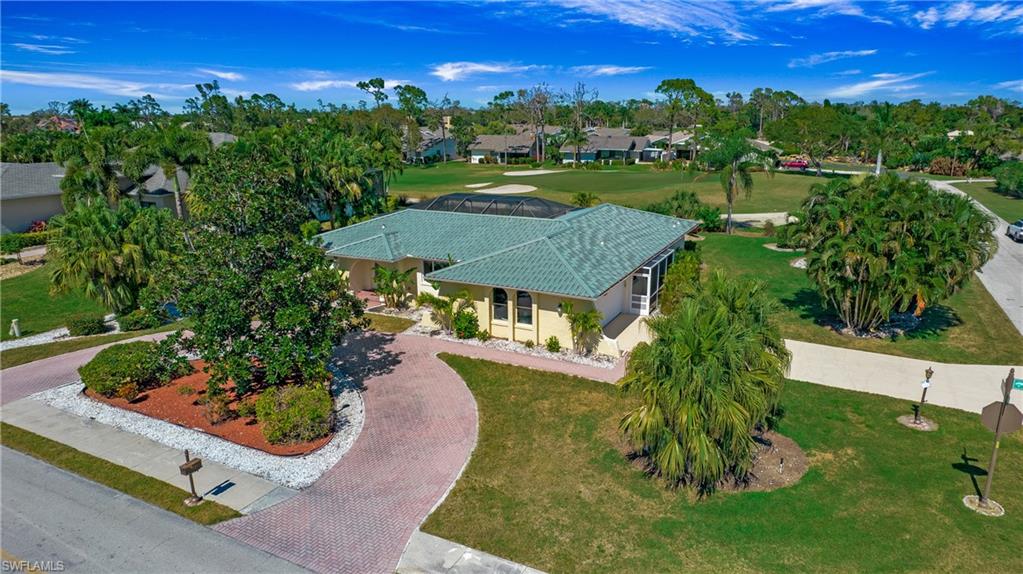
(139, 319)
(711, 218)
(15, 242)
(85, 324)
(769, 229)
(483, 336)
(466, 325)
(552, 344)
(295, 413)
(1009, 178)
(309, 228)
(529, 343)
(140, 364)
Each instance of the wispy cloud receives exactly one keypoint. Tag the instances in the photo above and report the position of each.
(684, 17)
(848, 73)
(65, 39)
(454, 71)
(88, 82)
(1001, 17)
(327, 84)
(822, 8)
(815, 59)
(50, 49)
(221, 74)
(887, 82)
(596, 70)
(1014, 85)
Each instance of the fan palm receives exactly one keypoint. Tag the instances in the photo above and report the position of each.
(736, 159)
(710, 377)
(585, 199)
(443, 310)
(176, 148)
(585, 327)
(392, 284)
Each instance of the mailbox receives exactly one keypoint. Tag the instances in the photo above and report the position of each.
(191, 466)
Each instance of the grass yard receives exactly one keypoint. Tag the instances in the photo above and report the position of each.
(631, 186)
(388, 323)
(22, 355)
(549, 487)
(27, 298)
(1008, 208)
(138, 485)
(968, 328)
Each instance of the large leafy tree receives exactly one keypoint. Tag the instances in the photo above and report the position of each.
(737, 159)
(890, 245)
(111, 254)
(815, 131)
(707, 381)
(263, 300)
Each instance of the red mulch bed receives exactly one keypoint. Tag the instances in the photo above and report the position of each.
(168, 404)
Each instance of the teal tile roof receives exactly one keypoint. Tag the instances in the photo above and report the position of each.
(580, 254)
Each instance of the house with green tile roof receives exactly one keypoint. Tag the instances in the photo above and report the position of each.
(520, 270)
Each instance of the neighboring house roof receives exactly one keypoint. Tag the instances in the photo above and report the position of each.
(581, 254)
(521, 142)
(679, 138)
(429, 138)
(23, 180)
(611, 139)
(154, 182)
(521, 205)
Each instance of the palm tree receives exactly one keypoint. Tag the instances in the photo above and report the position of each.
(90, 162)
(710, 377)
(176, 148)
(585, 199)
(392, 284)
(736, 158)
(443, 310)
(883, 130)
(585, 327)
(110, 254)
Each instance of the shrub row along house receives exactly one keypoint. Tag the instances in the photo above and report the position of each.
(521, 260)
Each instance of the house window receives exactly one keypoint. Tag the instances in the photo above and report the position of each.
(500, 305)
(431, 266)
(523, 308)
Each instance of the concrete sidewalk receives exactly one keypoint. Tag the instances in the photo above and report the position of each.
(431, 554)
(964, 387)
(235, 489)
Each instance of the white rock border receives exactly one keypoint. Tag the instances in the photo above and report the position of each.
(290, 471)
(595, 360)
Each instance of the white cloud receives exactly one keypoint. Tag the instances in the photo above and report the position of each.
(608, 70)
(88, 82)
(779, 45)
(822, 8)
(50, 49)
(887, 82)
(1014, 85)
(221, 74)
(325, 84)
(848, 73)
(686, 17)
(999, 16)
(814, 59)
(454, 71)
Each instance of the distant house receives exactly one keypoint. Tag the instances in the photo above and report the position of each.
(501, 148)
(606, 144)
(433, 146)
(59, 123)
(156, 189)
(681, 145)
(29, 192)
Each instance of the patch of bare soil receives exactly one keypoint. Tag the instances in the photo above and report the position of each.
(181, 402)
(14, 268)
(779, 463)
(925, 423)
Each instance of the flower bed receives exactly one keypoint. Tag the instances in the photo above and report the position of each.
(181, 402)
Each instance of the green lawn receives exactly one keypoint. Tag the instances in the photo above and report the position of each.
(27, 298)
(968, 328)
(22, 355)
(1004, 206)
(548, 486)
(130, 482)
(632, 186)
(388, 323)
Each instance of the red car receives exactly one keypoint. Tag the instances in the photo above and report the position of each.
(795, 164)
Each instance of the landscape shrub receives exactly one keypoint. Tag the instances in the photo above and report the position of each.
(552, 344)
(466, 325)
(630, 161)
(1009, 178)
(483, 336)
(142, 364)
(295, 413)
(945, 166)
(85, 324)
(15, 242)
(217, 407)
(593, 166)
(787, 236)
(769, 229)
(139, 319)
(128, 392)
(309, 229)
(247, 407)
(711, 218)
(529, 344)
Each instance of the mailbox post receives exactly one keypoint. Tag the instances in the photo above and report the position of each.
(923, 398)
(190, 467)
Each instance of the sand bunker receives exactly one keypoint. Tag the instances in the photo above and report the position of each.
(478, 185)
(533, 172)
(512, 188)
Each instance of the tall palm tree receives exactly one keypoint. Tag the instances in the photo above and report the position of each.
(709, 378)
(176, 148)
(736, 159)
(90, 162)
(883, 131)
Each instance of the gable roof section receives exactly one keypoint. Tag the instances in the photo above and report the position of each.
(596, 249)
(24, 180)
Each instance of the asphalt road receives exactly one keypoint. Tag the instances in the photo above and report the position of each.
(47, 514)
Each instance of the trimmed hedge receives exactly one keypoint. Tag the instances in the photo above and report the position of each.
(15, 242)
(1009, 178)
(139, 319)
(141, 364)
(466, 325)
(295, 413)
(81, 325)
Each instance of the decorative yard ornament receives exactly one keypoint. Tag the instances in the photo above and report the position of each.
(1001, 417)
(15, 328)
(190, 467)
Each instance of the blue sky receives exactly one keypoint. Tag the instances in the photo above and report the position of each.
(843, 50)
